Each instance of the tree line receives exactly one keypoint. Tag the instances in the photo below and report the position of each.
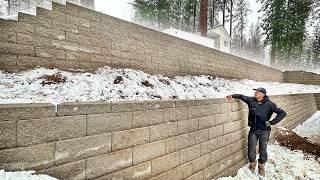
(281, 32)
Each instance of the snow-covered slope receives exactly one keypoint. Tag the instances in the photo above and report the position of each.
(310, 128)
(108, 84)
(23, 175)
(283, 164)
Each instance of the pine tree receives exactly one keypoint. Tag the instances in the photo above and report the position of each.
(315, 51)
(203, 17)
(284, 24)
(152, 10)
(254, 47)
(241, 22)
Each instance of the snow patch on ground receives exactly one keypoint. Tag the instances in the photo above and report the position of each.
(10, 17)
(31, 86)
(283, 164)
(23, 175)
(310, 128)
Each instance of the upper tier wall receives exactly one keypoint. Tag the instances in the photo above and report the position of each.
(70, 36)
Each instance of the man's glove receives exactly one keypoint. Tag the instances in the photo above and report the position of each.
(268, 124)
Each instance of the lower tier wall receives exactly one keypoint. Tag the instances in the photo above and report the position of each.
(178, 139)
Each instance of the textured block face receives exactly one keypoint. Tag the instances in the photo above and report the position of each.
(75, 149)
(7, 134)
(129, 138)
(148, 151)
(38, 156)
(111, 122)
(50, 129)
(163, 131)
(74, 170)
(13, 112)
(161, 164)
(105, 164)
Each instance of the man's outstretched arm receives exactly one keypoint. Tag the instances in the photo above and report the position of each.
(280, 114)
(244, 98)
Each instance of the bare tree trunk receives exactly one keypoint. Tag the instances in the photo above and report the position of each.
(211, 15)
(224, 12)
(9, 7)
(231, 18)
(273, 55)
(203, 17)
(194, 16)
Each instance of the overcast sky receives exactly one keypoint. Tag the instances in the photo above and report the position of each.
(122, 9)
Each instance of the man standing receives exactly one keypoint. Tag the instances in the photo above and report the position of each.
(260, 112)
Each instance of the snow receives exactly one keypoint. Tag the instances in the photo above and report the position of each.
(28, 87)
(208, 42)
(10, 17)
(310, 128)
(283, 164)
(23, 175)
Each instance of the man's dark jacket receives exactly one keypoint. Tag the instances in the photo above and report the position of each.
(261, 112)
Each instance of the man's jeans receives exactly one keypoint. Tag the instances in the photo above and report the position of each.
(263, 137)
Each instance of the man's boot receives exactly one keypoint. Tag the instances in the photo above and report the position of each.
(261, 169)
(252, 166)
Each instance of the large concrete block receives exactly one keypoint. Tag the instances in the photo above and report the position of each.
(201, 163)
(110, 122)
(32, 19)
(209, 146)
(72, 19)
(8, 60)
(104, 164)
(83, 108)
(15, 26)
(33, 40)
(75, 149)
(7, 134)
(13, 112)
(197, 176)
(140, 171)
(50, 33)
(175, 114)
(163, 131)
(64, 45)
(50, 129)
(8, 36)
(147, 118)
(189, 125)
(129, 138)
(189, 154)
(207, 122)
(161, 104)
(49, 14)
(50, 53)
(180, 142)
(70, 171)
(81, 39)
(165, 163)
(70, 9)
(89, 49)
(180, 172)
(20, 49)
(31, 157)
(129, 106)
(148, 151)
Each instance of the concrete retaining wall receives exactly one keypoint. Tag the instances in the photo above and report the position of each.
(301, 77)
(193, 139)
(317, 98)
(75, 37)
